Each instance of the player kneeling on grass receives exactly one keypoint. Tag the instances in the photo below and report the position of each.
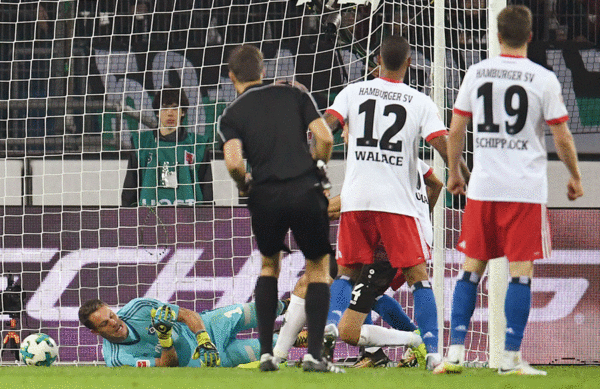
(148, 332)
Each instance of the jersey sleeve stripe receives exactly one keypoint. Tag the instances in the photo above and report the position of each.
(462, 113)
(337, 115)
(436, 134)
(558, 120)
(429, 172)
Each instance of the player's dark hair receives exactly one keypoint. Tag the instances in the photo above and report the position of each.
(168, 97)
(394, 52)
(87, 309)
(514, 25)
(246, 63)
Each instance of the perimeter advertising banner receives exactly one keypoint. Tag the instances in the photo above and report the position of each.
(203, 258)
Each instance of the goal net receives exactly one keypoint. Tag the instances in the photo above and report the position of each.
(77, 84)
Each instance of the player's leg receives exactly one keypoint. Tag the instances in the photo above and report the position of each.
(407, 249)
(463, 306)
(373, 280)
(425, 311)
(266, 298)
(392, 313)
(527, 239)
(310, 227)
(478, 239)
(240, 351)
(295, 318)
(269, 225)
(341, 290)
(356, 241)
(316, 302)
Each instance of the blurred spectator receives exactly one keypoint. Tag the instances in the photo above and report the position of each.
(168, 165)
(572, 16)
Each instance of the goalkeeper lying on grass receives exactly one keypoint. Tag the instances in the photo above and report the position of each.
(148, 332)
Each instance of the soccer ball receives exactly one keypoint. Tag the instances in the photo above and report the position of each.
(38, 350)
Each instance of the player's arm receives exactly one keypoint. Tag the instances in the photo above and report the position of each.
(332, 121)
(234, 160)
(434, 188)
(162, 319)
(334, 208)
(206, 349)
(565, 148)
(168, 358)
(323, 140)
(457, 169)
(191, 319)
(440, 143)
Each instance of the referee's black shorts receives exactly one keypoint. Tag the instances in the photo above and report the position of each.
(299, 205)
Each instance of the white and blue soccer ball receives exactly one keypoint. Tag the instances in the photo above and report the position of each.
(38, 350)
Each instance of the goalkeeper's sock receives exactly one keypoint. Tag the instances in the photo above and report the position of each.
(392, 313)
(266, 306)
(463, 306)
(316, 307)
(341, 292)
(426, 314)
(516, 309)
(295, 317)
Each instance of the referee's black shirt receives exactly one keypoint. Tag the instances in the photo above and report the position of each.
(272, 122)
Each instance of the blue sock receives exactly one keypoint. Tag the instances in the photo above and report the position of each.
(463, 306)
(516, 309)
(341, 292)
(368, 319)
(426, 314)
(392, 313)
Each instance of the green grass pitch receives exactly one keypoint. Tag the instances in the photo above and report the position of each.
(74, 377)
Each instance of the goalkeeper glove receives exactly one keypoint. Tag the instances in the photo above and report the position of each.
(206, 350)
(163, 319)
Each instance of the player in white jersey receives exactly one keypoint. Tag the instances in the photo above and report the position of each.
(386, 121)
(508, 98)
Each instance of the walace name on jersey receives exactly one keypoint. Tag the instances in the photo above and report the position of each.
(513, 75)
(394, 96)
(375, 156)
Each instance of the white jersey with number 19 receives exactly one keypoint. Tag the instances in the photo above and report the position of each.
(386, 120)
(509, 98)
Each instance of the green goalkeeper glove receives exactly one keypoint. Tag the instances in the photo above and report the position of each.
(206, 350)
(163, 319)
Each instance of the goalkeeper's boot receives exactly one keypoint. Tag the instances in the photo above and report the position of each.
(408, 359)
(268, 363)
(311, 364)
(512, 363)
(376, 359)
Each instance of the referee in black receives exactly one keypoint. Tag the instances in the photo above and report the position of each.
(268, 125)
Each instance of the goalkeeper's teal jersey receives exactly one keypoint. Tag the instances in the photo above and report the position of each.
(141, 347)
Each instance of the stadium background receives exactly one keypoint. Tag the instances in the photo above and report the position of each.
(68, 68)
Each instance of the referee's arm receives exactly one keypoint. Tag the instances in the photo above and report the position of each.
(323, 139)
(234, 160)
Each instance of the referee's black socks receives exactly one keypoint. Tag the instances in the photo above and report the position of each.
(266, 299)
(317, 307)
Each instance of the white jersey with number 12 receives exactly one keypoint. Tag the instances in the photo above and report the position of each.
(386, 121)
